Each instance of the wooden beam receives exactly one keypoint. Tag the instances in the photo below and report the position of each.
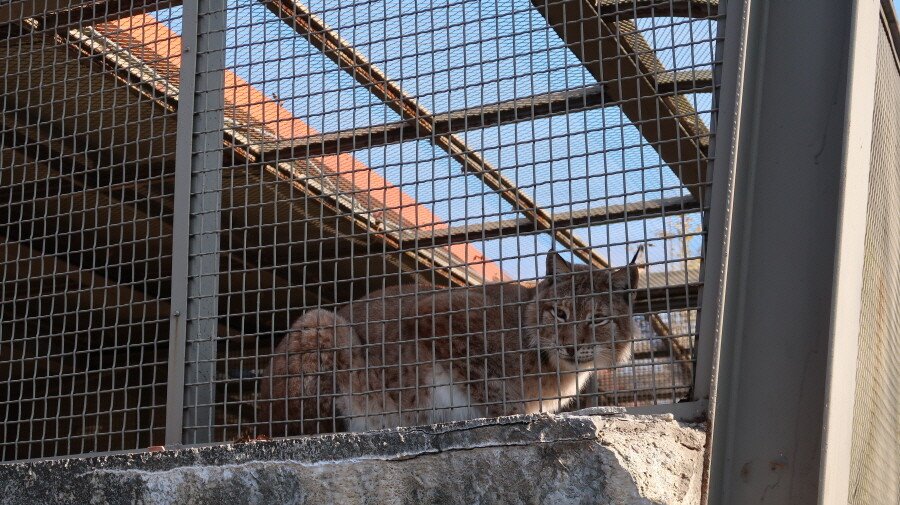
(619, 58)
(68, 13)
(576, 219)
(511, 111)
(41, 153)
(500, 113)
(685, 82)
(617, 10)
(76, 297)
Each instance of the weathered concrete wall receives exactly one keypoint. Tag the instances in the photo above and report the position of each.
(576, 458)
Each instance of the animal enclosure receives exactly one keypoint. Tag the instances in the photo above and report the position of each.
(183, 183)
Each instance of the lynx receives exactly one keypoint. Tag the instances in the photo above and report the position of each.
(418, 354)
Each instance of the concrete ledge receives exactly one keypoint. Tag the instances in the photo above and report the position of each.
(598, 456)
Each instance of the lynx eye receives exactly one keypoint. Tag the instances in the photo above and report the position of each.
(599, 320)
(560, 313)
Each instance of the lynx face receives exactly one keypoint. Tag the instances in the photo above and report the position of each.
(583, 318)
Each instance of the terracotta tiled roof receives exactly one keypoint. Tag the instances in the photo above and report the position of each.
(160, 48)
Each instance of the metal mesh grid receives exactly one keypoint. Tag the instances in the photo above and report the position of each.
(452, 144)
(86, 157)
(875, 450)
(363, 146)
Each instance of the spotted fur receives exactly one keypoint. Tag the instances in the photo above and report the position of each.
(416, 354)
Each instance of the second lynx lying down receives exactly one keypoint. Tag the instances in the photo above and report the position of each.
(417, 354)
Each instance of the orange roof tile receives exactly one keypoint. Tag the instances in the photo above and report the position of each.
(161, 48)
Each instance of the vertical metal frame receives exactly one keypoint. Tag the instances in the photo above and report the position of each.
(717, 204)
(784, 230)
(181, 226)
(847, 302)
(196, 223)
(206, 204)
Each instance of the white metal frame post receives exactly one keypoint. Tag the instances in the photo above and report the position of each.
(792, 165)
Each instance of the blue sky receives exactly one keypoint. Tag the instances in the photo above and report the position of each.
(458, 54)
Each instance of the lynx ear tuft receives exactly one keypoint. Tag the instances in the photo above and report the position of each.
(626, 278)
(637, 254)
(556, 265)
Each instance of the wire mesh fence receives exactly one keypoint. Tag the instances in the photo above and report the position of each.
(342, 216)
(875, 451)
(445, 148)
(87, 153)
